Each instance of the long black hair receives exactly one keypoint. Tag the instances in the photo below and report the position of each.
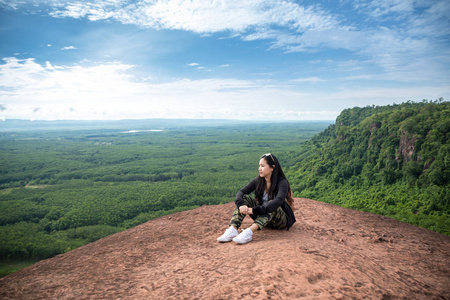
(276, 175)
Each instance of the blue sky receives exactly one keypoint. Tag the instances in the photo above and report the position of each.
(234, 59)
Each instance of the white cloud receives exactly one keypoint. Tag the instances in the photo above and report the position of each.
(202, 16)
(26, 85)
(111, 91)
(359, 77)
(309, 79)
(379, 8)
(18, 72)
(69, 48)
(198, 67)
(49, 66)
(384, 96)
(415, 34)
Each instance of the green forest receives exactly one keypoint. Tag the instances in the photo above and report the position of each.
(391, 160)
(66, 184)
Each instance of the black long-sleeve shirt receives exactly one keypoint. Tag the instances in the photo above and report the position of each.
(281, 194)
(272, 205)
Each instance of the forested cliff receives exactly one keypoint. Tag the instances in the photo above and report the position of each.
(392, 160)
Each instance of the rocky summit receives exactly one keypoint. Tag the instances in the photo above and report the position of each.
(330, 253)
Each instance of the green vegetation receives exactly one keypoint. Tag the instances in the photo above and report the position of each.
(390, 160)
(61, 189)
(8, 266)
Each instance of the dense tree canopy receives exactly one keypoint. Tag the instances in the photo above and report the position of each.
(392, 160)
(60, 189)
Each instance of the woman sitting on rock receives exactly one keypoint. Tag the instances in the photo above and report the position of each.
(271, 206)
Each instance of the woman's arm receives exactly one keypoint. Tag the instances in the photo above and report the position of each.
(249, 188)
(272, 206)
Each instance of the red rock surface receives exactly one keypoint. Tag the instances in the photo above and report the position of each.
(330, 253)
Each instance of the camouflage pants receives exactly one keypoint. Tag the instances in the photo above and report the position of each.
(275, 220)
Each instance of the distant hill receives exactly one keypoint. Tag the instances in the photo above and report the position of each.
(18, 125)
(392, 160)
(330, 253)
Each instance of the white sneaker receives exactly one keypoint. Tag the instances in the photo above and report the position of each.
(244, 237)
(228, 236)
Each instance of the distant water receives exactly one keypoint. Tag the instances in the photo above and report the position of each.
(134, 131)
(15, 125)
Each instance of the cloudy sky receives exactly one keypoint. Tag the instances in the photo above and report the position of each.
(232, 59)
